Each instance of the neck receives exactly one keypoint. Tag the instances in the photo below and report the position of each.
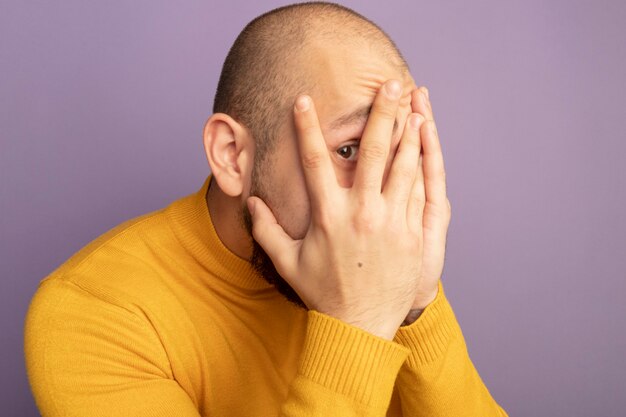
(224, 211)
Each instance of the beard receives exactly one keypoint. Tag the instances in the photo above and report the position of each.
(260, 260)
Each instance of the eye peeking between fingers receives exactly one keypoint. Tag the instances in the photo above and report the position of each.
(348, 152)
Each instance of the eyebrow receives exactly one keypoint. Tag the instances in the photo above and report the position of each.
(360, 114)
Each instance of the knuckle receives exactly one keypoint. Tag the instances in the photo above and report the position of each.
(385, 110)
(430, 124)
(396, 229)
(364, 220)
(312, 160)
(370, 183)
(419, 199)
(404, 170)
(323, 220)
(373, 152)
(448, 212)
(363, 225)
(415, 228)
(441, 213)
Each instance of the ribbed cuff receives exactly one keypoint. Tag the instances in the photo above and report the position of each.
(429, 336)
(350, 361)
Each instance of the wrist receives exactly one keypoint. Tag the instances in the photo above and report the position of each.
(424, 299)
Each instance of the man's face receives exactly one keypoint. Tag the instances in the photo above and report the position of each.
(346, 80)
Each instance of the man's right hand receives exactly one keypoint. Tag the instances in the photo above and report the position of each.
(361, 258)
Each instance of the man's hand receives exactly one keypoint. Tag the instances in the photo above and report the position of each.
(361, 258)
(437, 210)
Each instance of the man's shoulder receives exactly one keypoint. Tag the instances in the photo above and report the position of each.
(122, 261)
(118, 243)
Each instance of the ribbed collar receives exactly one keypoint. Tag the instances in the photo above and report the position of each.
(191, 221)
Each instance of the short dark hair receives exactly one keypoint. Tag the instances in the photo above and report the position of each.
(261, 75)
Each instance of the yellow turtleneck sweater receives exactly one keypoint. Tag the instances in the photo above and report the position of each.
(157, 318)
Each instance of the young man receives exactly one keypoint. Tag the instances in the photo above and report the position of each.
(302, 279)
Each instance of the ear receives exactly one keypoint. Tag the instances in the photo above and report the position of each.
(229, 150)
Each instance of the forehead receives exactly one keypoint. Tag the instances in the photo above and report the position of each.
(347, 78)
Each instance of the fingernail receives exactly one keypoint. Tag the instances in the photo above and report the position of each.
(393, 89)
(251, 205)
(426, 92)
(303, 103)
(416, 121)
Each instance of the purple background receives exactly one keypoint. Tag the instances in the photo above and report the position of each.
(102, 109)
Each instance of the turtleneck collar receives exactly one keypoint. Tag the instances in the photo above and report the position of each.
(191, 222)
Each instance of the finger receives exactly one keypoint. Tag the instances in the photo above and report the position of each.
(318, 170)
(405, 163)
(417, 199)
(279, 246)
(376, 139)
(420, 103)
(434, 170)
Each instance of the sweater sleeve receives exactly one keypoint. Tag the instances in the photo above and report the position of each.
(438, 378)
(88, 357)
(343, 371)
